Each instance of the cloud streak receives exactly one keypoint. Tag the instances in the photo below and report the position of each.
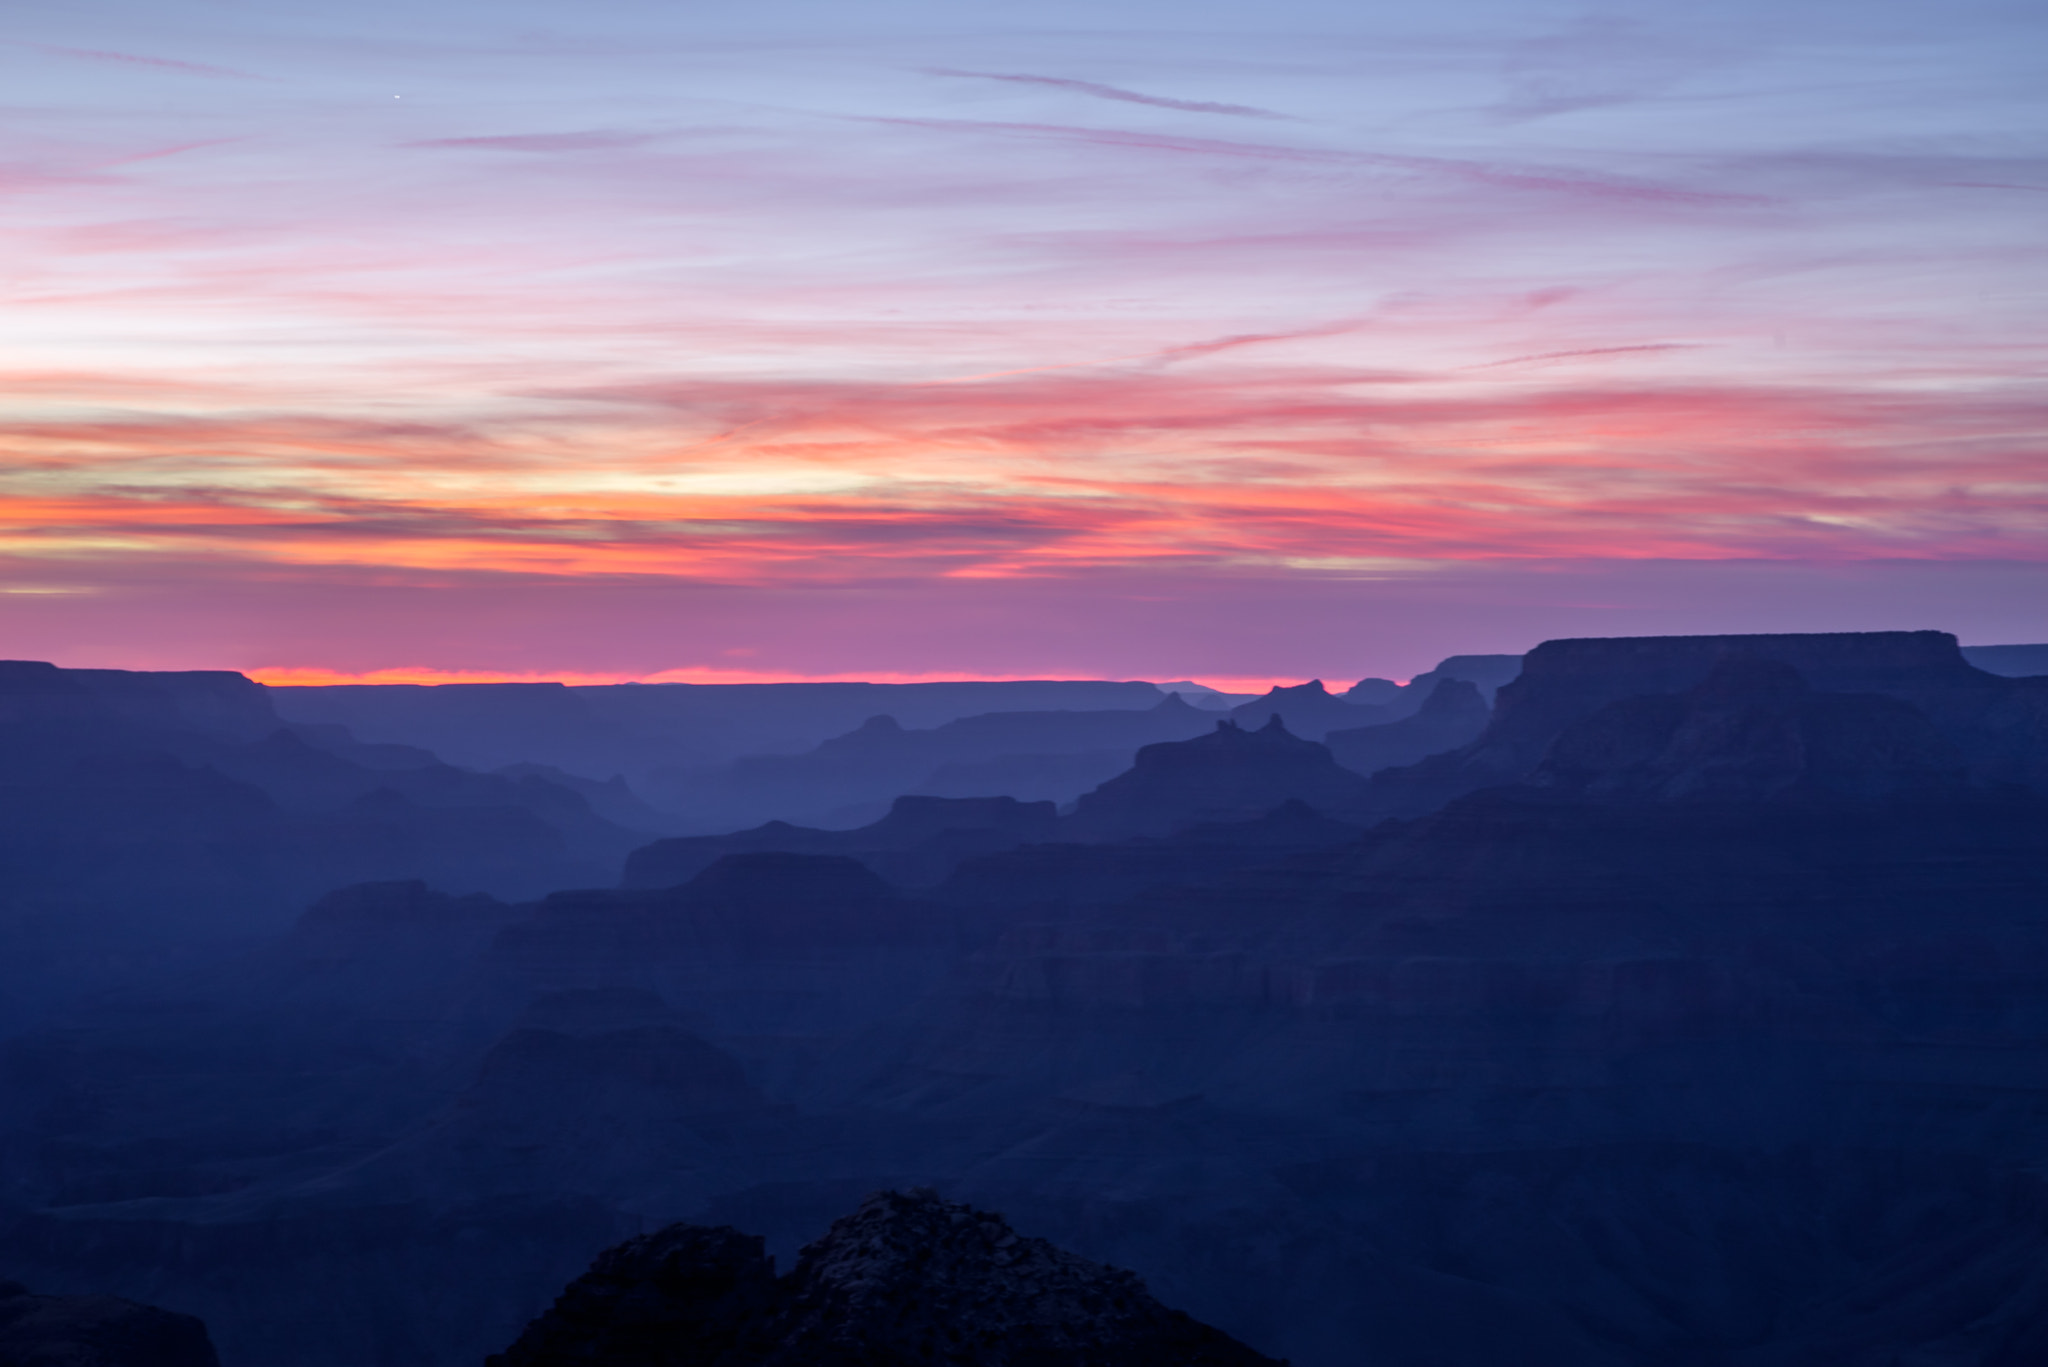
(136, 59)
(1118, 93)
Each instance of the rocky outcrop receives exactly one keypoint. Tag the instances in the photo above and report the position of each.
(1488, 673)
(907, 1278)
(96, 1331)
(1229, 775)
(2000, 726)
(1453, 715)
(1305, 710)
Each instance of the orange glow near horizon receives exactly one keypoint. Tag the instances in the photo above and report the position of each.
(290, 677)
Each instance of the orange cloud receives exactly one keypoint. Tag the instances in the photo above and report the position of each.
(1048, 474)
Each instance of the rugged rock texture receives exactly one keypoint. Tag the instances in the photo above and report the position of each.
(1229, 775)
(1453, 715)
(1999, 725)
(907, 1278)
(915, 845)
(1718, 1037)
(96, 1331)
(1753, 730)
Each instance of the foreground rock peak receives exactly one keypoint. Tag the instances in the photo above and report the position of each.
(907, 1278)
(96, 1331)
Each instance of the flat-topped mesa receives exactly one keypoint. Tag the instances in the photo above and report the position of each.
(1565, 681)
(215, 702)
(906, 1278)
(1999, 725)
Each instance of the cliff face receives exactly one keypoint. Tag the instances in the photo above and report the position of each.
(215, 702)
(1998, 726)
(1453, 715)
(1754, 730)
(906, 1278)
(1307, 710)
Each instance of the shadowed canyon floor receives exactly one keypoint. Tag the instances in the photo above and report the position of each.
(1693, 1011)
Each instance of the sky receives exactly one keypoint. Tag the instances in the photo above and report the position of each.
(607, 339)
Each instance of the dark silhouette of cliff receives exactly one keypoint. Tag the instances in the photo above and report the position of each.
(1485, 672)
(1029, 755)
(153, 815)
(647, 730)
(1453, 715)
(915, 845)
(1713, 1032)
(96, 1331)
(1753, 730)
(1229, 775)
(908, 1277)
(1307, 710)
(1999, 725)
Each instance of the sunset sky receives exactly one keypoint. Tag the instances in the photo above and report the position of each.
(1141, 340)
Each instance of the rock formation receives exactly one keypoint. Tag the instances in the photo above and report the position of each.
(907, 1278)
(1306, 710)
(1229, 775)
(1999, 725)
(1453, 715)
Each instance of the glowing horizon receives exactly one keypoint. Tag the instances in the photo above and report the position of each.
(286, 677)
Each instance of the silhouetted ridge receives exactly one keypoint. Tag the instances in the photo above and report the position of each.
(1033, 755)
(907, 1278)
(915, 844)
(1454, 714)
(2013, 661)
(1306, 709)
(1999, 725)
(1230, 775)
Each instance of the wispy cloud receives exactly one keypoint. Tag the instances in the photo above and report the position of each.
(1111, 92)
(592, 140)
(91, 54)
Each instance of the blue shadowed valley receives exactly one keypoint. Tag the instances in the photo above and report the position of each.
(1643, 1000)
